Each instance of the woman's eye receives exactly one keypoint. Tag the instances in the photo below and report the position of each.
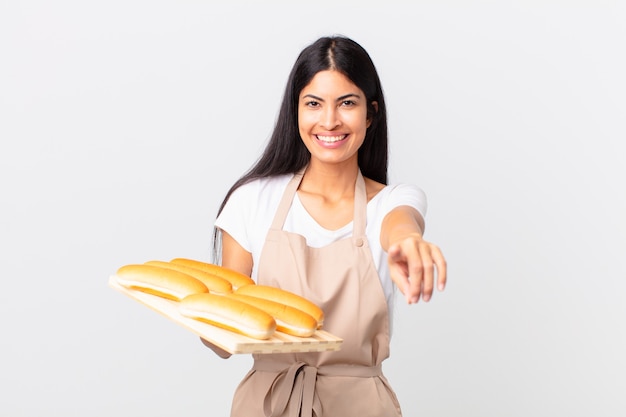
(348, 103)
(312, 104)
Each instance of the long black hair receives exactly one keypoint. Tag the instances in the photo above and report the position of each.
(285, 152)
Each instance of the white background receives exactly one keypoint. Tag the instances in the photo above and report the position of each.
(123, 123)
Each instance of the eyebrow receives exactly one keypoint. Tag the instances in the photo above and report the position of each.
(345, 96)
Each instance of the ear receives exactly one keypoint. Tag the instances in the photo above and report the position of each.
(375, 106)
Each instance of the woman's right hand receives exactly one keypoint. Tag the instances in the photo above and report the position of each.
(218, 350)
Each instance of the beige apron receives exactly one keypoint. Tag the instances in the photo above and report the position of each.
(341, 278)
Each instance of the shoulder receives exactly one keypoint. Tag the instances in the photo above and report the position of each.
(261, 187)
(400, 194)
(256, 198)
(249, 210)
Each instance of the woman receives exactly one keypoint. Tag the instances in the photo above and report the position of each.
(315, 216)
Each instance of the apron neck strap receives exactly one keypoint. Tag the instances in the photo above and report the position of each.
(285, 202)
(360, 207)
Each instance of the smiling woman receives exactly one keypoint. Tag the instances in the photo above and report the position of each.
(316, 217)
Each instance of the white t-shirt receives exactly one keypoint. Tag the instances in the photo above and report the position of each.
(250, 210)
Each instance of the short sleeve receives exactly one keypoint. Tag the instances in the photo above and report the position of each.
(248, 214)
(235, 216)
(406, 195)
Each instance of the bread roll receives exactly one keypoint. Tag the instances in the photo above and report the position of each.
(236, 279)
(285, 297)
(289, 320)
(229, 314)
(166, 283)
(215, 284)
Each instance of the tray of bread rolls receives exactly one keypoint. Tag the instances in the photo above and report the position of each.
(225, 307)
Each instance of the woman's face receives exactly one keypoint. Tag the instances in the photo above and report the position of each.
(332, 117)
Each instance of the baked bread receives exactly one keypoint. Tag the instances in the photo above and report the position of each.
(237, 279)
(228, 313)
(163, 282)
(285, 297)
(215, 284)
(289, 320)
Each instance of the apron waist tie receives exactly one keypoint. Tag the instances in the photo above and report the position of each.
(295, 385)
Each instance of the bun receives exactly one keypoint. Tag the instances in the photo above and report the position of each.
(166, 283)
(215, 284)
(289, 320)
(237, 279)
(285, 297)
(227, 313)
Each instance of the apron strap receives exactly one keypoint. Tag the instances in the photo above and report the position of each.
(285, 202)
(360, 208)
(294, 386)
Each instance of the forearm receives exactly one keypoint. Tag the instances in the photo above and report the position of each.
(234, 256)
(400, 223)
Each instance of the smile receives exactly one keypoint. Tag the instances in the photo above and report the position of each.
(331, 139)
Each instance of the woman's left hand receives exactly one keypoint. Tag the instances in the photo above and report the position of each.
(413, 263)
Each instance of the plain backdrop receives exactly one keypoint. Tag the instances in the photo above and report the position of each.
(123, 123)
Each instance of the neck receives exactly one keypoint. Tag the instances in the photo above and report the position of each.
(330, 180)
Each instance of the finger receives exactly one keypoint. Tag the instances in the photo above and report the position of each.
(398, 269)
(399, 275)
(407, 272)
(428, 275)
(442, 273)
(402, 282)
(416, 275)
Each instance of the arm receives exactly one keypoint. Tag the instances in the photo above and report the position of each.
(237, 258)
(234, 256)
(412, 260)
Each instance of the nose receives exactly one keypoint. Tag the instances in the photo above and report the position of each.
(329, 119)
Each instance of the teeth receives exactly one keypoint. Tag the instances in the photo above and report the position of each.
(331, 139)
